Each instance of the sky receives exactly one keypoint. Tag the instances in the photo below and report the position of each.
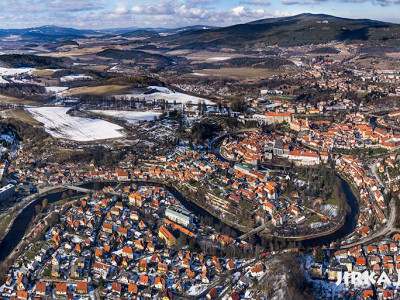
(103, 14)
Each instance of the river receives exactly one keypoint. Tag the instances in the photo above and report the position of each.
(21, 223)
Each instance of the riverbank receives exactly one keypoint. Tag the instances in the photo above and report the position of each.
(23, 204)
(21, 222)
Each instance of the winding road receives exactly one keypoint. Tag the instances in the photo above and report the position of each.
(389, 228)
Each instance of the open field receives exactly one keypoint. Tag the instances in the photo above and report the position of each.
(381, 63)
(20, 114)
(75, 52)
(103, 90)
(238, 72)
(395, 55)
(12, 100)
(43, 72)
(96, 68)
(283, 97)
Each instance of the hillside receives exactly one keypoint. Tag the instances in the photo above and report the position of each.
(33, 61)
(135, 55)
(297, 30)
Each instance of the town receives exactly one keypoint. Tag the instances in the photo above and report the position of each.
(136, 164)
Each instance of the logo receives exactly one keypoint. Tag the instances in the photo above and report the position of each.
(366, 278)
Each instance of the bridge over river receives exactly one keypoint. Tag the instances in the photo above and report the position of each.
(88, 191)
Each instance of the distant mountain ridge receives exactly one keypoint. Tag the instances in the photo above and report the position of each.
(303, 29)
(298, 30)
(48, 33)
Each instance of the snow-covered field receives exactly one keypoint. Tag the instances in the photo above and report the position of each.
(219, 58)
(56, 89)
(61, 125)
(75, 77)
(15, 71)
(170, 96)
(129, 116)
(3, 81)
(199, 74)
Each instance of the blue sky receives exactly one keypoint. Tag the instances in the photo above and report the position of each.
(100, 14)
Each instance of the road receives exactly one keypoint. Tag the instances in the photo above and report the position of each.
(389, 228)
(373, 168)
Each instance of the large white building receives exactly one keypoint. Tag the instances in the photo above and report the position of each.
(7, 192)
(178, 217)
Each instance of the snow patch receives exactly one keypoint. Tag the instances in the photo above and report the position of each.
(56, 89)
(15, 71)
(129, 116)
(75, 77)
(219, 58)
(168, 95)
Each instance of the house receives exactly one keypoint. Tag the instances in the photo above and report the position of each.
(9, 280)
(61, 289)
(230, 265)
(22, 295)
(144, 280)
(22, 282)
(257, 271)
(159, 283)
(167, 236)
(369, 294)
(143, 265)
(346, 262)
(234, 296)
(387, 294)
(316, 271)
(41, 288)
(212, 294)
(334, 272)
(116, 287)
(127, 252)
(135, 199)
(125, 278)
(132, 288)
(82, 287)
(162, 268)
(269, 207)
(108, 228)
(102, 269)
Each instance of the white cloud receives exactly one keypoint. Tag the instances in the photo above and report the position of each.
(256, 2)
(174, 12)
(121, 10)
(301, 2)
(192, 3)
(316, 2)
(43, 6)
